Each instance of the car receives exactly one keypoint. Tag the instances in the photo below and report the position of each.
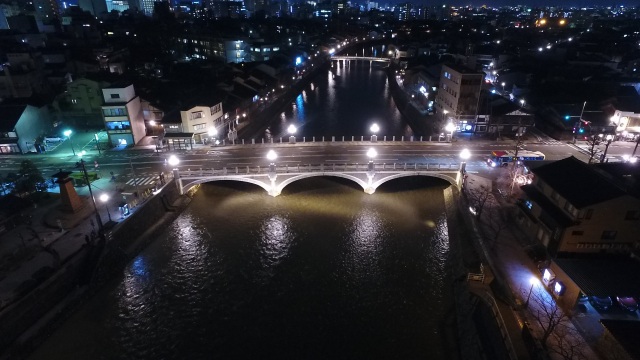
(600, 302)
(628, 303)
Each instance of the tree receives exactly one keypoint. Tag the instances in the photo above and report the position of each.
(29, 178)
(592, 142)
(559, 336)
(478, 198)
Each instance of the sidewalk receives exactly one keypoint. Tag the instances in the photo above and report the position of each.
(511, 263)
(30, 253)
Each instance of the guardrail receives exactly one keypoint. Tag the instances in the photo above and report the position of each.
(393, 167)
(443, 138)
(506, 338)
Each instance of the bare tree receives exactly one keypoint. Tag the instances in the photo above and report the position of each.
(478, 198)
(494, 222)
(558, 336)
(592, 142)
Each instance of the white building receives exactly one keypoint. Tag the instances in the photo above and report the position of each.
(122, 115)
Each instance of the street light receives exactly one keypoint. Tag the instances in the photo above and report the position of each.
(522, 103)
(533, 281)
(503, 84)
(374, 130)
(609, 138)
(292, 130)
(212, 132)
(465, 154)
(173, 160)
(450, 128)
(104, 198)
(68, 133)
(95, 136)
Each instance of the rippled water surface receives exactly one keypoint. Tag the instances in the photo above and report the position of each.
(323, 271)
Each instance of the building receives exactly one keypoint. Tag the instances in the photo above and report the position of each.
(194, 122)
(122, 113)
(574, 207)
(21, 127)
(459, 90)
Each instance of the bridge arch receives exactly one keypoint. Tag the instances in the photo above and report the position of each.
(290, 180)
(383, 180)
(262, 184)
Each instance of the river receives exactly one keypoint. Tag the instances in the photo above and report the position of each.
(323, 271)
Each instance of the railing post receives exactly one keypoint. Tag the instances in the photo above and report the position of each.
(411, 139)
(323, 139)
(242, 141)
(402, 138)
(236, 169)
(405, 166)
(384, 138)
(263, 140)
(334, 167)
(429, 138)
(394, 166)
(361, 138)
(322, 167)
(253, 141)
(394, 138)
(247, 169)
(313, 139)
(303, 139)
(333, 139)
(351, 138)
(258, 169)
(416, 166)
(420, 138)
(280, 139)
(342, 138)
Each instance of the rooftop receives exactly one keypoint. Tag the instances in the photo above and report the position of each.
(603, 276)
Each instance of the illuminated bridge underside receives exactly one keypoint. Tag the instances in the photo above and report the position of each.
(275, 180)
(365, 58)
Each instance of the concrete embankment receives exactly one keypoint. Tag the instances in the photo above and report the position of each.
(421, 124)
(26, 323)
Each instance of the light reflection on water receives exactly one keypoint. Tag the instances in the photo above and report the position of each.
(322, 271)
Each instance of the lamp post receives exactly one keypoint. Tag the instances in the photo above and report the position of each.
(93, 200)
(465, 154)
(503, 84)
(173, 161)
(609, 138)
(522, 103)
(95, 136)
(450, 128)
(212, 132)
(374, 130)
(104, 198)
(292, 130)
(68, 133)
(272, 156)
(533, 281)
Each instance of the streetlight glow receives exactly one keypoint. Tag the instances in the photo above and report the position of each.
(465, 154)
(374, 128)
(104, 197)
(212, 131)
(372, 153)
(173, 160)
(271, 155)
(292, 129)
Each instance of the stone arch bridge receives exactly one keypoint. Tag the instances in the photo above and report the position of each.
(275, 178)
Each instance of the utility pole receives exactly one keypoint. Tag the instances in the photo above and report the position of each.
(93, 200)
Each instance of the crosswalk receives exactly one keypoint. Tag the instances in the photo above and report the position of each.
(142, 181)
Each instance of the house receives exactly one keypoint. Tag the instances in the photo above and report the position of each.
(21, 126)
(574, 207)
(122, 114)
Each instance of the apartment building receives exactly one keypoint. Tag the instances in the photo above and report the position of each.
(459, 90)
(122, 115)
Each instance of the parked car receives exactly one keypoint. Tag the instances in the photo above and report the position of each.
(600, 302)
(628, 303)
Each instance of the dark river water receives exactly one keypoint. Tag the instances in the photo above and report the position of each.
(323, 271)
(344, 101)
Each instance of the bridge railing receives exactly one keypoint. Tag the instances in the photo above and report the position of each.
(307, 168)
(442, 138)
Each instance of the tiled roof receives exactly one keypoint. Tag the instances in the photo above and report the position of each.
(603, 277)
(555, 213)
(581, 184)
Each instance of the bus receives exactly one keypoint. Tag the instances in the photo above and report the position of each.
(504, 157)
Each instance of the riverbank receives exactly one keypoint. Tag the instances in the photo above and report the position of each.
(28, 322)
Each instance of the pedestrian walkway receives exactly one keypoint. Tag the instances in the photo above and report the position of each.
(504, 244)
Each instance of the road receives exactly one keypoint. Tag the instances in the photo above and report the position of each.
(147, 162)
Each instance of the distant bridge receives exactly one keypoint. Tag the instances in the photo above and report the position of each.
(275, 178)
(365, 58)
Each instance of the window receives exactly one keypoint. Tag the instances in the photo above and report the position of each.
(571, 209)
(577, 233)
(118, 125)
(588, 214)
(115, 112)
(216, 108)
(115, 96)
(608, 235)
(199, 126)
(632, 215)
(197, 115)
(528, 204)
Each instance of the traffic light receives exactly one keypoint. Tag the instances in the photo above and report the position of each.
(567, 117)
(581, 130)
